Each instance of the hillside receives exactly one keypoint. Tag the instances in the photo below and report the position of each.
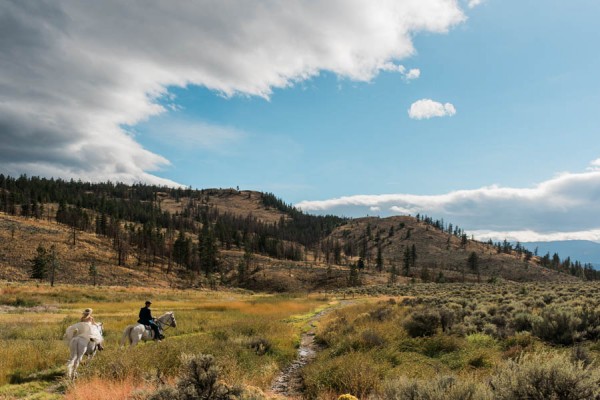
(147, 235)
(439, 255)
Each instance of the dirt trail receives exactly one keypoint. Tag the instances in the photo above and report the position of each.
(289, 382)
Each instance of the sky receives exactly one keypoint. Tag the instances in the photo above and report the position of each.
(484, 113)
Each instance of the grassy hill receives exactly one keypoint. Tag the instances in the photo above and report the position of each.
(147, 235)
(438, 252)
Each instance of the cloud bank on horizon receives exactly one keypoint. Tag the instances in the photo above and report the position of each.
(75, 75)
(566, 207)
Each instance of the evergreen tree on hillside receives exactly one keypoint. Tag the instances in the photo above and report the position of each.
(473, 264)
(39, 264)
(181, 250)
(379, 259)
(93, 273)
(406, 262)
(354, 276)
(209, 252)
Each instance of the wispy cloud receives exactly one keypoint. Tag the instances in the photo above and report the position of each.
(193, 135)
(565, 206)
(474, 3)
(74, 73)
(427, 108)
(408, 75)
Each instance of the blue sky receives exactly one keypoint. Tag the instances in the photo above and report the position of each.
(522, 77)
(311, 101)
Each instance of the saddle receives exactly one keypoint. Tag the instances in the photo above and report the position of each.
(151, 331)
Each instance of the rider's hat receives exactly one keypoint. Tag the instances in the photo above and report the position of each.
(87, 311)
(148, 302)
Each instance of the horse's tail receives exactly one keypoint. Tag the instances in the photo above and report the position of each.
(70, 334)
(126, 336)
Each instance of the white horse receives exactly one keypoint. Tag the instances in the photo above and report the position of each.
(83, 338)
(135, 333)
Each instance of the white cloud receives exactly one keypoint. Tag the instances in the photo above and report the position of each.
(413, 74)
(532, 236)
(74, 73)
(474, 3)
(427, 108)
(566, 206)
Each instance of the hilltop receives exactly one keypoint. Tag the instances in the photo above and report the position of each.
(158, 236)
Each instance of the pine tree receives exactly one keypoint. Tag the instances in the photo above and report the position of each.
(393, 274)
(407, 262)
(39, 267)
(379, 260)
(208, 251)
(354, 276)
(181, 250)
(93, 273)
(413, 255)
(361, 264)
(473, 264)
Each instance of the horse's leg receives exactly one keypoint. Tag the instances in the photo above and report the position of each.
(70, 366)
(91, 350)
(73, 357)
(126, 336)
(81, 349)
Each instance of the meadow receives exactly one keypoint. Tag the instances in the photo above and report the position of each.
(462, 341)
(250, 336)
(407, 341)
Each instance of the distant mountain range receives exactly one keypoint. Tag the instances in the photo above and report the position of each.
(584, 251)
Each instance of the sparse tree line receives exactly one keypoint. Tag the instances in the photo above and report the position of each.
(132, 217)
(567, 266)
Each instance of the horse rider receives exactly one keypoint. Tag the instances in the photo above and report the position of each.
(146, 319)
(86, 316)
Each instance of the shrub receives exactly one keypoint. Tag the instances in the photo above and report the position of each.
(544, 376)
(440, 344)
(381, 313)
(522, 322)
(442, 388)
(481, 340)
(197, 381)
(261, 346)
(557, 326)
(581, 354)
(447, 318)
(590, 323)
(355, 373)
(370, 339)
(423, 323)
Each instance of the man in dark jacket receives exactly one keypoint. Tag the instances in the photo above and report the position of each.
(146, 319)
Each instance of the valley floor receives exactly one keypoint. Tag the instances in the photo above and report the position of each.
(440, 341)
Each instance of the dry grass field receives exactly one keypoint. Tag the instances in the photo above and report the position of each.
(225, 324)
(408, 341)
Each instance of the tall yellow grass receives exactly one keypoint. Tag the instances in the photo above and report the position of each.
(220, 323)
